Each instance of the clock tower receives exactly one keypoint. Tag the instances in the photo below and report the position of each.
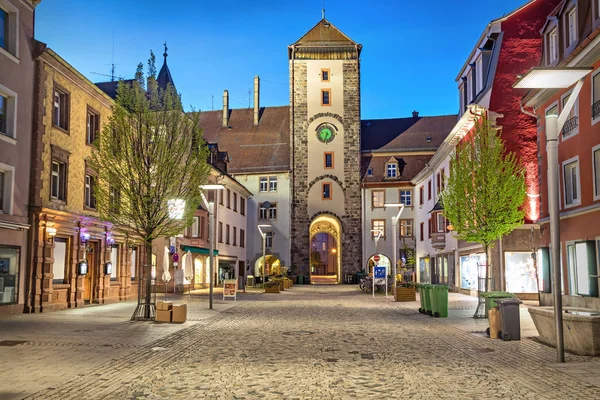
(326, 235)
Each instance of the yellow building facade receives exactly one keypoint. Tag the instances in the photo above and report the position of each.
(75, 257)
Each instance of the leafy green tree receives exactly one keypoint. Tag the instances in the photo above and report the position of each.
(149, 154)
(485, 191)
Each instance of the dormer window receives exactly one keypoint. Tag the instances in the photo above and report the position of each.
(571, 21)
(552, 46)
(392, 170)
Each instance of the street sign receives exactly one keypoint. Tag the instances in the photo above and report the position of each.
(379, 278)
(175, 257)
(376, 258)
(172, 249)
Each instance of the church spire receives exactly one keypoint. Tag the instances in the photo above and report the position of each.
(165, 53)
(164, 77)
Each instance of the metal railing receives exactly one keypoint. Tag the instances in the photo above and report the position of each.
(596, 109)
(570, 125)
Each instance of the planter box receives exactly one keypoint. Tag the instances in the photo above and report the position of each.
(405, 294)
(272, 289)
(287, 284)
(281, 286)
(581, 328)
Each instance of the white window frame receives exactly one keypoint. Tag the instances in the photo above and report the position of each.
(13, 28)
(469, 87)
(195, 226)
(89, 190)
(571, 29)
(373, 193)
(410, 202)
(552, 45)
(565, 163)
(9, 188)
(479, 71)
(272, 212)
(441, 228)
(268, 240)
(574, 113)
(59, 178)
(595, 172)
(272, 184)
(407, 223)
(11, 96)
(391, 167)
(263, 184)
(370, 170)
(133, 260)
(114, 259)
(461, 96)
(594, 74)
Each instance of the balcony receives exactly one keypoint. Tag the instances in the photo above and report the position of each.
(596, 110)
(438, 240)
(570, 125)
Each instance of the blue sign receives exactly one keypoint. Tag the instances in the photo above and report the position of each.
(380, 272)
(172, 250)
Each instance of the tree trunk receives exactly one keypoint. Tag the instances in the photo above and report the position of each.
(486, 249)
(148, 279)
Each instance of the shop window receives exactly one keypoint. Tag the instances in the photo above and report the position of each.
(469, 267)
(114, 259)
(520, 272)
(406, 197)
(377, 198)
(325, 97)
(425, 269)
(93, 126)
(60, 115)
(10, 258)
(59, 267)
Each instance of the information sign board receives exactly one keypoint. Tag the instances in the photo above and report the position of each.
(230, 288)
(379, 275)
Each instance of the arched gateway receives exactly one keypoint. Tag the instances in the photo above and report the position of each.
(325, 249)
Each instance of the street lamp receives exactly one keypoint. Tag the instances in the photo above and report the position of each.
(394, 225)
(263, 234)
(210, 206)
(555, 78)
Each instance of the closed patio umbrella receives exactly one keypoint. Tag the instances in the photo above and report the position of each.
(166, 276)
(188, 269)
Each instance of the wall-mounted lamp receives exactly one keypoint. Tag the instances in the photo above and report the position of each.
(51, 232)
(109, 240)
(85, 237)
(108, 268)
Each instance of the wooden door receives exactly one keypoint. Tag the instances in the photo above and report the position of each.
(90, 278)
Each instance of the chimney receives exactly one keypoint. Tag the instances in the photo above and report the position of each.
(415, 114)
(225, 108)
(256, 99)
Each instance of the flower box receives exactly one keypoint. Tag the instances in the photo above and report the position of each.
(272, 289)
(405, 294)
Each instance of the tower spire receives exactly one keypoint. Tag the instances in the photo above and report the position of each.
(165, 53)
(323, 10)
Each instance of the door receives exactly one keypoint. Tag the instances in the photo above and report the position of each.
(91, 276)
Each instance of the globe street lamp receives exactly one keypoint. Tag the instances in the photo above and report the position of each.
(394, 230)
(555, 78)
(210, 206)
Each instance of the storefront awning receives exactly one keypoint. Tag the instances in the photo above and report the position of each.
(199, 250)
(223, 258)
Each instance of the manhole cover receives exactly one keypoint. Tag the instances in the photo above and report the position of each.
(298, 333)
(8, 343)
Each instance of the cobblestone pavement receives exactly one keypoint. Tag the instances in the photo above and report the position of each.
(311, 342)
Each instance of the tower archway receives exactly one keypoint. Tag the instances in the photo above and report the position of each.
(325, 249)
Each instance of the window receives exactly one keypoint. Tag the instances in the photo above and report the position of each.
(377, 226)
(114, 200)
(8, 114)
(479, 73)
(2, 189)
(580, 267)
(595, 165)
(571, 126)
(60, 260)
(227, 234)
(7, 173)
(325, 75)
(406, 197)
(262, 212)
(441, 223)
(326, 191)
(242, 206)
(406, 228)
(269, 240)
(596, 96)
(272, 212)
(10, 258)
(571, 182)
(195, 226)
(234, 236)
(325, 97)
(377, 198)
(202, 225)
(93, 126)
(392, 170)
(9, 25)
(421, 195)
(369, 171)
(443, 178)
(133, 264)
(114, 259)
(438, 182)
(571, 26)
(272, 184)
(328, 160)
(235, 201)
(552, 46)
(221, 196)
(90, 196)
(4, 34)
(60, 116)
(220, 232)
(242, 238)
(429, 190)
(264, 184)
(58, 181)
(462, 100)
(228, 198)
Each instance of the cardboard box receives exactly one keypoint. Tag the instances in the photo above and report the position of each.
(179, 313)
(163, 315)
(164, 305)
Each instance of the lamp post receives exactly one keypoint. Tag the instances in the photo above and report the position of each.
(210, 206)
(264, 248)
(555, 78)
(394, 230)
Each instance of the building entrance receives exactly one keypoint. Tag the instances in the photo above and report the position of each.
(90, 279)
(325, 250)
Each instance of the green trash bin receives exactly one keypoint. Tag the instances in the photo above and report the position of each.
(421, 297)
(300, 279)
(491, 297)
(426, 298)
(439, 301)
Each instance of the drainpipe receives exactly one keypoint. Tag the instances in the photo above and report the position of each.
(364, 223)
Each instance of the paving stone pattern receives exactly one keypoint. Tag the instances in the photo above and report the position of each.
(310, 342)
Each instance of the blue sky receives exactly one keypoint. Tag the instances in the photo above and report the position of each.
(412, 50)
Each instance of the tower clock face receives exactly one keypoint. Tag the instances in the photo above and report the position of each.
(325, 133)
